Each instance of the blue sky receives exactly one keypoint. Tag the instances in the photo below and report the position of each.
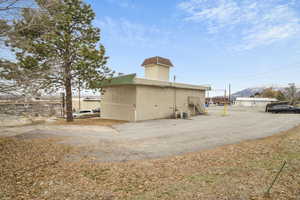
(243, 42)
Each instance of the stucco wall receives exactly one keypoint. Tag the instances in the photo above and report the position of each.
(150, 72)
(158, 102)
(157, 72)
(119, 103)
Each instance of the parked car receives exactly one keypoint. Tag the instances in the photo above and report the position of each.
(96, 110)
(87, 113)
(270, 105)
(284, 109)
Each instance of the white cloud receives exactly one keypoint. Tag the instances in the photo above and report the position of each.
(133, 34)
(223, 12)
(255, 22)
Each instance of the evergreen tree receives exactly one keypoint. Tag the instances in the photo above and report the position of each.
(57, 44)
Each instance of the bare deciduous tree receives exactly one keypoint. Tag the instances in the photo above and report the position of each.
(291, 93)
(8, 4)
(9, 11)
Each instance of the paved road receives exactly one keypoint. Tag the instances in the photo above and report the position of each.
(158, 138)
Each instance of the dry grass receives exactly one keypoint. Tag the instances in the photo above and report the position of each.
(89, 122)
(37, 170)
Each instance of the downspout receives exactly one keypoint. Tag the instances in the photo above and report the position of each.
(175, 103)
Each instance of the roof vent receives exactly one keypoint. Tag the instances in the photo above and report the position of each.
(157, 68)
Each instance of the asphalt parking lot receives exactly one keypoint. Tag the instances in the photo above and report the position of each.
(159, 138)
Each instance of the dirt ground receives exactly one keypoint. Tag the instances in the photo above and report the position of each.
(38, 169)
(88, 122)
(159, 138)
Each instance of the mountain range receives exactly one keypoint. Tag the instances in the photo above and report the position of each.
(251, 91)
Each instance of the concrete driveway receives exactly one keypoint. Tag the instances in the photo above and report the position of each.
(158, 138)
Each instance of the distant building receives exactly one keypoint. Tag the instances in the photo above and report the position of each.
(153, 97)
(85, 103)
(217, 100)
(253, 101)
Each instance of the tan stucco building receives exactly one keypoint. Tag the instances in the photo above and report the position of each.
(153, 97)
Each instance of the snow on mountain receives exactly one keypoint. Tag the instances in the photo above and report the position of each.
(248, 92)
(251, 91)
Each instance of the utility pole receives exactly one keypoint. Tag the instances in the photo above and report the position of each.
(79, 101)
(208, 98)
(225, 102)
(229, 97)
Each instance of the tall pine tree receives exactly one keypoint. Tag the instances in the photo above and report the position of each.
(58, 43)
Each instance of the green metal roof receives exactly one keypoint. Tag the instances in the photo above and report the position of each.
(120, 80)
(131, 79)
